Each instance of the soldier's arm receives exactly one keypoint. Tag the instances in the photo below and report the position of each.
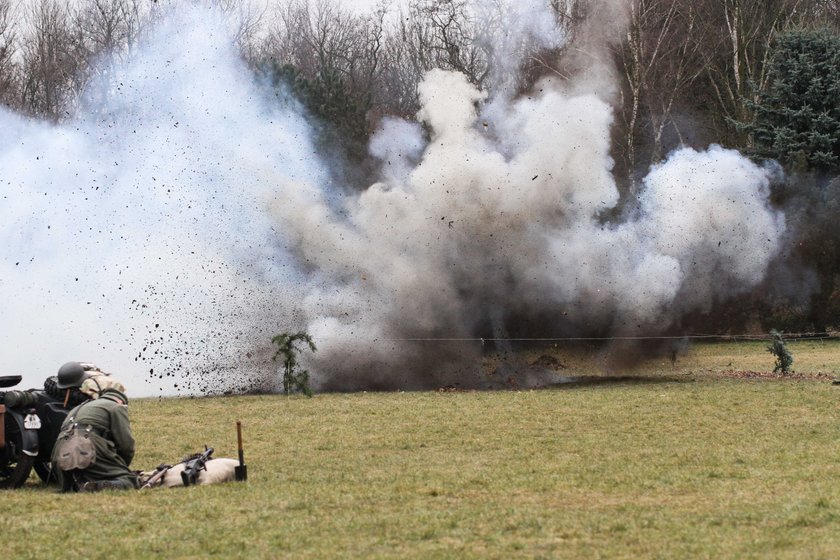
(121, 432)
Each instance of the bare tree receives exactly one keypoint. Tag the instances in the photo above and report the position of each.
(108, 26)
(821, 13)
(49, 63)
(246, 20)
(735, 38)
(106, 32)
(517, 46)
(658, 60)
(570, 16)
(430, 34)
(8, 70)
(454, 39)
(403, 68)
(314, 39)
(323, 40)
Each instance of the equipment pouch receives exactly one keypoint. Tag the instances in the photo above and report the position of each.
(75, 452)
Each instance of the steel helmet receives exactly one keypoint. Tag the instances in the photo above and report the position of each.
(71, 374)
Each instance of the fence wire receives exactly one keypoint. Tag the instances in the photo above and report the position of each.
(716, 337)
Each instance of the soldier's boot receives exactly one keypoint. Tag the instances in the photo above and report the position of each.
(90, 487)
(99, 485)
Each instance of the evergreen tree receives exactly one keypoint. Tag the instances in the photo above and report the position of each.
(341, 116)
(784, 359)
(796, 121)
(797, 118)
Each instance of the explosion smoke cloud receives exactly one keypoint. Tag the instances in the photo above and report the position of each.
(482, 230)
(190, 219)
(134, 235)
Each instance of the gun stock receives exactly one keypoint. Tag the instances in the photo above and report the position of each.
(159, 473)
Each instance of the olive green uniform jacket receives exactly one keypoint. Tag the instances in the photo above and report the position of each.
(111, 437)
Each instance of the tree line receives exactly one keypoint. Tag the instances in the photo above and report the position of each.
(762, 76)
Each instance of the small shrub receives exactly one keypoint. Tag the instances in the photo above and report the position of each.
(784, 359)
(294, 380)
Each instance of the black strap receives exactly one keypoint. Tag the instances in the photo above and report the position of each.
(90, 428)
(98, 431)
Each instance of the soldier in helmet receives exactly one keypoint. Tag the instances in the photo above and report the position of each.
(95, 446)
(73, 374)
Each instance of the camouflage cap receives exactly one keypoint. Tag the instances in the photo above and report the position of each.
(97, 383)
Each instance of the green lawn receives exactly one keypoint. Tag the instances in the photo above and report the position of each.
(691, 464)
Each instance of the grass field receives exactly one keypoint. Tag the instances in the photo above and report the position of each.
(696, 461)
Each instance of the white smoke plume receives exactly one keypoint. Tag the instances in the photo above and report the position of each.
(180, 231)
(134, 235)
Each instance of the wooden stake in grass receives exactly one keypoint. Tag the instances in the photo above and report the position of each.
(293, 380)
(784, 359)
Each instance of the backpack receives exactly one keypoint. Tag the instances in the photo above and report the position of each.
(74, 448)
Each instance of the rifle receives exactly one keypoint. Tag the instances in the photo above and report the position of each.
(194, 465)
(159, 473)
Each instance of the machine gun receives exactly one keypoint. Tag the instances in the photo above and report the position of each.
(30, 422)
(194, 465)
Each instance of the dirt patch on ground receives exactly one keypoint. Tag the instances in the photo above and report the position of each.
(748, 374)
(548, 362)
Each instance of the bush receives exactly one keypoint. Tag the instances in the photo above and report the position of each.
(294, 380)
(784, 359)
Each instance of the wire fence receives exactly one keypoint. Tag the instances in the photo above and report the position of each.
(709, 337)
